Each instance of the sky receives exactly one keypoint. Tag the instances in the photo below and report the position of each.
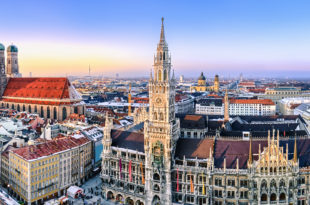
(226, 37)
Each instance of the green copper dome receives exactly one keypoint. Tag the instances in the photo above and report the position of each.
(12, 48)
(2, 48)
(202, 77)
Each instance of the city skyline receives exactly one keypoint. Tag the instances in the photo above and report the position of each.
(227, 38)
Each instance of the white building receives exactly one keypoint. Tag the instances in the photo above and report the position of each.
(288, 105)
(236, 107)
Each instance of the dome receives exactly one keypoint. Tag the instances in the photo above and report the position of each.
(2, 48)
(202, 77)
(12, 48)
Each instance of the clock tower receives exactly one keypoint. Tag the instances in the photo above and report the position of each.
(161, 128)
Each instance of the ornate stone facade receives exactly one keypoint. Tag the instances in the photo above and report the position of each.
(158, 167)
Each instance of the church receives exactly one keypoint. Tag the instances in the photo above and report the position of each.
(203, 87)
(156, 165)
(51, 98)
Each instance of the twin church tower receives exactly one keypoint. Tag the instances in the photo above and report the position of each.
(10, 68)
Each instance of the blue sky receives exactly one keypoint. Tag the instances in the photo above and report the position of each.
(256, 37)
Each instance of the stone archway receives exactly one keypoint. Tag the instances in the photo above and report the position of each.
(129, 201)
(139, 202)
(119, 198)
(110, 195)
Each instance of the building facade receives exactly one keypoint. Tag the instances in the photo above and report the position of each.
(158, 167)
(237, 107)
(43, 171)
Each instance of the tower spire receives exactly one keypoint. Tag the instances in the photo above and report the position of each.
(162, 32)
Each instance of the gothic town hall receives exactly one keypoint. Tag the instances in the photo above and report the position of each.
(152, 163)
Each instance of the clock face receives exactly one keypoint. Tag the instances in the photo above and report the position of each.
(158, 101)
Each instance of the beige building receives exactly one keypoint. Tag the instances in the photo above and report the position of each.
(43, 171)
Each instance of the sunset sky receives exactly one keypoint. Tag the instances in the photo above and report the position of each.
(63, 37)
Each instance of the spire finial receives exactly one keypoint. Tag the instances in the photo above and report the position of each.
(162, 32)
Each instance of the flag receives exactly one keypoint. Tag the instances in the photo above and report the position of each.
(192, 185)
(203, 185)
(142, 173)
(120, 168)
(177, 180)
(130, 177)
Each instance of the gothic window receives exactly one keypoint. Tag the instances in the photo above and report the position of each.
(18, 108)
(159, 75)
(155, 116)
(164, 56)
(29, 109)
(13, 107)
(156, 187)
(161, 116)
(264, 197)
(24, 108)
(160, 56)
(273, 197)
(48, 112)
(282, 197)
(158, 151)
(156, 177)
(35, 109)
(7, 105)
(165, 75)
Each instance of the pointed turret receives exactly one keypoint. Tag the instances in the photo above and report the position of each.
(295, 151)
(226, 107)
(162, 39)
(250, 152)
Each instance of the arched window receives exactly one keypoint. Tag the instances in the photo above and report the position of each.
(165, 75)
(29, 109)
(264, 197)
(48, 112)
(18, 108)
(156, 177)
(24, 108)
(164, 56)
(13, 107)
(76, 110)
(2, 104)
(64, 113)
(155, 116)
(273, 197)
(35, 109)
(282, 197)
(42, 111)
(7, 105)
(161, 116)
(159, 75)
(55, 113)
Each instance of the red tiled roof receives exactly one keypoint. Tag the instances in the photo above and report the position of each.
(251, 101)
(49, 88)
(50, 147)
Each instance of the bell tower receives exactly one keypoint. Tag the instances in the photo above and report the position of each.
(161, 128)
(3, 79)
